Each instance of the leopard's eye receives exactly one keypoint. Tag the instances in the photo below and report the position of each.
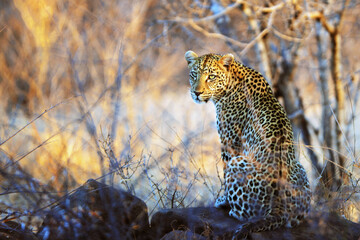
(211, 77)
(193, 75)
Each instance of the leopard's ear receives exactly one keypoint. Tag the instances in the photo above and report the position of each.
(226, 60)
(190, 57)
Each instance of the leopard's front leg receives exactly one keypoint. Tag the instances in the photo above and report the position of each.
(222, 200)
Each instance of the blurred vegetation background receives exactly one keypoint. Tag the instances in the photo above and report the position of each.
(99, 89)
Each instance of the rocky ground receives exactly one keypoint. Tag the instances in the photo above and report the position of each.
(98, 211)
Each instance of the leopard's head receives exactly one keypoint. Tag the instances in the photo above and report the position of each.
(209, 75)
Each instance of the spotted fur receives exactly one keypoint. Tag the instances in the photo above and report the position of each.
(265, 185)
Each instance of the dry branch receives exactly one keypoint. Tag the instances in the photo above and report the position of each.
(260, 46)
(327, 123)
(335, 67)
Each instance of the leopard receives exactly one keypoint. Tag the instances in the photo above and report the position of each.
(265, 185)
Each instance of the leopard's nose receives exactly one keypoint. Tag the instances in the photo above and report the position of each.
(198, 93)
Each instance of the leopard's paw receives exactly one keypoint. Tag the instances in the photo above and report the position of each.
(221, 202)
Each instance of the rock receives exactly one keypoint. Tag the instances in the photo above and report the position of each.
(207, 221)
(97, 211)
(182, 235)
(213, 223)
(14, 231)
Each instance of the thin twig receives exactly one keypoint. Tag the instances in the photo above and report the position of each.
(2, 28)
(39, 116)
(287, 37)
(216, 35)
(253, 42)
(204, 19)
(37, 147)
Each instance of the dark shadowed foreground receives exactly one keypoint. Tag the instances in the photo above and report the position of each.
(99, 211)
